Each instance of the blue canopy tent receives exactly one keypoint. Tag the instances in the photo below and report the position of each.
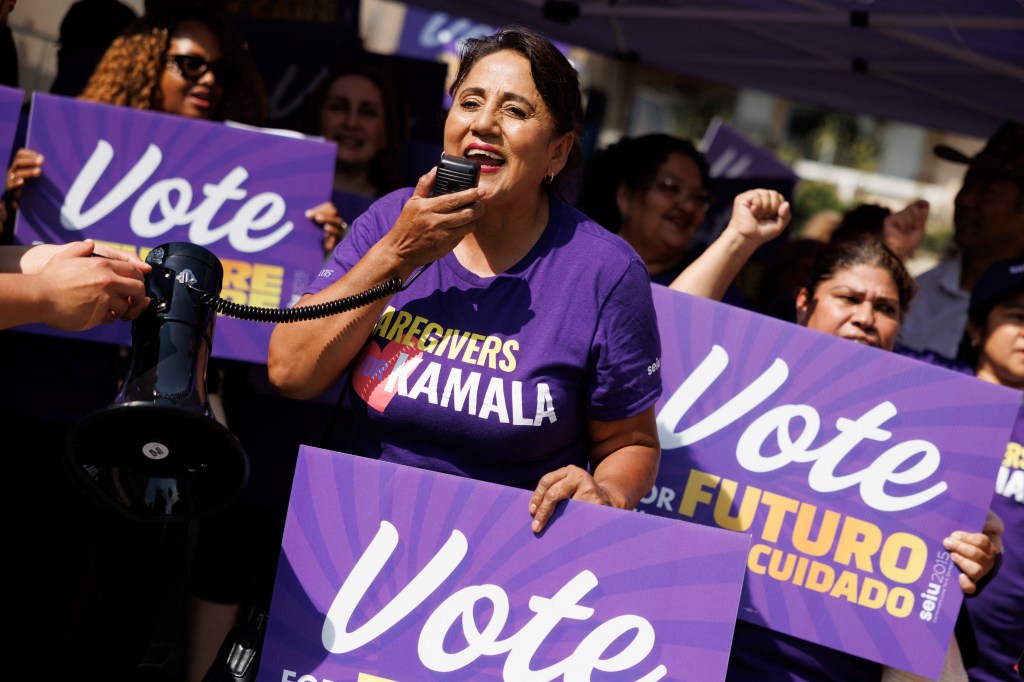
(948, 65)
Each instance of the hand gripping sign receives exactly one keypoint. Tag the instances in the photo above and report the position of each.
(848, 465)
(395, 573)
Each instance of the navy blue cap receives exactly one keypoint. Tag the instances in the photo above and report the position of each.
(1002, 278)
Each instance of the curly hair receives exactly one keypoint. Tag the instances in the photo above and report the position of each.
(129, 72)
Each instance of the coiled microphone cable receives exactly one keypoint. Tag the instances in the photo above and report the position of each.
(310, 312)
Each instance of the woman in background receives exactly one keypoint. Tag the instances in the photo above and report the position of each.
(497, 260)
(994, 350)
(356, 106)
(184, 60)
(857, 290)
(652, 191)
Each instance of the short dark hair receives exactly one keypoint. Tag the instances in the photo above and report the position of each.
(635, 162)
(555, 77)
(865, 250)
(863, 219)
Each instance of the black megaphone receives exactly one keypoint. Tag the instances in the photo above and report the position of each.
(157, 453)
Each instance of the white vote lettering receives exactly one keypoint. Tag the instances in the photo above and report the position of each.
(167, 204)
(440, 30)
(71, 215)
(795, 428)
(459, 608)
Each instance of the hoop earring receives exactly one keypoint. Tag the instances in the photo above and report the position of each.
(549, 178)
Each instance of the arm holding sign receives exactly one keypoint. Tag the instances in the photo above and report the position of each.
(758, 216)
(624, 458)
(976, 554)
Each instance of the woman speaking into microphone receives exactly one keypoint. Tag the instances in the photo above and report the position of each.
(524, 348)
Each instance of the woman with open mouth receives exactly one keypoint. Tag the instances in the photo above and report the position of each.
(522, 348)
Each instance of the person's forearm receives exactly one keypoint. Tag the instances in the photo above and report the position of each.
(306, 358)
(624, 457)
(21, 301)
(627, 475)
(10, 258)
(714, 270)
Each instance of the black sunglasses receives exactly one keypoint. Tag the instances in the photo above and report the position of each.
(194, 67)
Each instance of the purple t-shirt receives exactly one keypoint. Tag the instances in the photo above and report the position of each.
(997, 613)
(494, 378)
(350, 205)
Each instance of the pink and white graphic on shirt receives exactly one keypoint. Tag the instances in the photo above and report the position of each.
(379, 369)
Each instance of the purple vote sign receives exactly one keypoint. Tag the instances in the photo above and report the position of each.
(432, 35)
(138, 179)
(10, 110)
(392, 573)
(731, 155)
(847, 464)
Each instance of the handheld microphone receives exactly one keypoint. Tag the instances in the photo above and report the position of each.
(454, 174)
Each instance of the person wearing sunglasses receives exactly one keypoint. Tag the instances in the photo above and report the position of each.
(201, 66)
(191, 85)
(184, 60)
